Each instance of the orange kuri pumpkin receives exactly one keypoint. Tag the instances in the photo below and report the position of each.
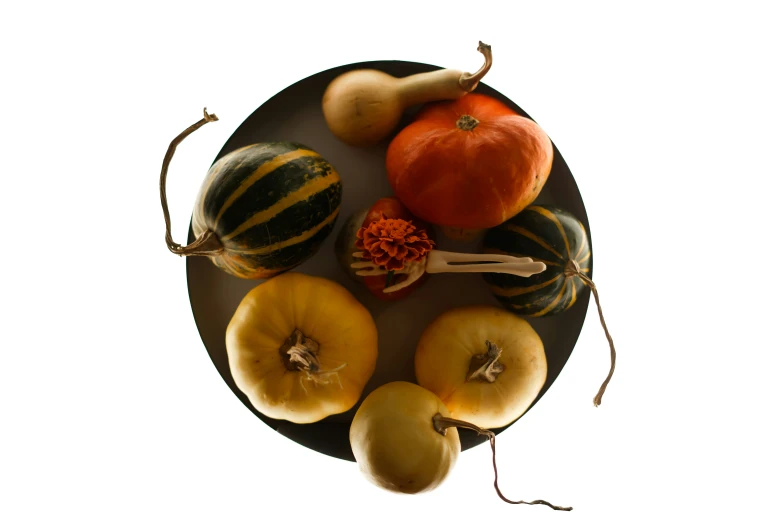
(470, 163)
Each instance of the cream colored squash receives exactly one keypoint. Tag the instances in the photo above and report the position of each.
(486, 364)
(301, 348)
(405, 441)
(395, 443)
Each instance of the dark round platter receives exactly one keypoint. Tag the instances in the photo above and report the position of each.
(294, 114)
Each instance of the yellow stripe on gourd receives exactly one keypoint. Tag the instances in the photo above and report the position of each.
(548, 263)
(550, 216)
(583, 242)
(311, 188)
(573, 292)
(217, 167)
(513, 292)
(531, 236)
(259, 173)
(291, 241)
(551, 305)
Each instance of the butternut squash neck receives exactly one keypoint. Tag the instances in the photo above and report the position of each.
(430, 86)
(444, 84)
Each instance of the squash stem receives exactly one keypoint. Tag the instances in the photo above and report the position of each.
(573, 269)
(486, 366)
(300, 353)
(441, 424)
(469, 81)
(467, 122)
(207, 244)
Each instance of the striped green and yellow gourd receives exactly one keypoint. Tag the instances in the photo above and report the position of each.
(270, 206)
(548, 234)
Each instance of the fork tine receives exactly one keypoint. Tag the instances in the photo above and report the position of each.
(439, 261)
(521, 270)
(458, 257)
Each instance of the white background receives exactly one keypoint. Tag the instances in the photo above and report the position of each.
(670, 118)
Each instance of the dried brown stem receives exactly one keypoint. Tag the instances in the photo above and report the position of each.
(207, 244)
(486, 366)
(470, 81)
(573, 269)
(299, 353)
(441, 424)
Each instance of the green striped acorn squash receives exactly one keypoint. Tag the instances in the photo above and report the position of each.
(548, 234)
(557, 238)
(262, 209)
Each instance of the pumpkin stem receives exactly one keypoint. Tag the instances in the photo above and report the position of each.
(486, 366)
(470, 81)
(573, 269)
(441, 424)
(207, 244)
(300, 353)
(467, 122)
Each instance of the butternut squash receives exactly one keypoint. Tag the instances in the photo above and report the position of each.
(362, 107)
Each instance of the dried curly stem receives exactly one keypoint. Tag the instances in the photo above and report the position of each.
(300, 353)
(207, 244)
(470, 81)
(441, 423)
(486, 366)
(573, 269)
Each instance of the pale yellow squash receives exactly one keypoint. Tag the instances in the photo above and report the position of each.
(301, 348)
(405, 441)
(486, 364)
(395, 442)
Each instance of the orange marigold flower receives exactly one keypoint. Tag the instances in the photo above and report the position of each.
(390, 243)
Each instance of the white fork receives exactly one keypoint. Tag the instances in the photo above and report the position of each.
(438, 261)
